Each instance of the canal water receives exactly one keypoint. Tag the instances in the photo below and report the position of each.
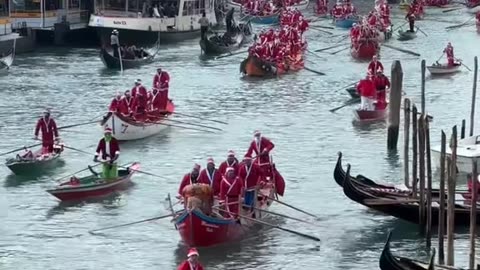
(37, 232)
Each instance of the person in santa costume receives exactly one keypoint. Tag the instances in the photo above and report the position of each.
(139, 88)
(211, 176)
(478, 17)
(115, 104)
(374, 66)
(161, 81)
(231, 161)
(49, 130)
(127, 104)
(231, 190)
(109, 148)
(190, 178)
(450, 56)
(382, 84)
(261, 146)
(192, 262)
(252, 175)
(366, 90)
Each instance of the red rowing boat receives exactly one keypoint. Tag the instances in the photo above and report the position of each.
(380, 113)
(365, 49)
(93, 186)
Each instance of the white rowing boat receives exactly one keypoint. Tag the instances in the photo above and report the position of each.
(468, 149)
(442, 69)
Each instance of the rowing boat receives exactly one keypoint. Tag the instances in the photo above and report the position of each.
(126, 128)
(365, 49)
(113, 62)
(406, 35)
(93, 186)
(352, 91)
(37, 163)
(468, 150)
(443, 69)
(380, 113)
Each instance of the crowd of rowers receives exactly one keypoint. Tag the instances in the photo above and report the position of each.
(276, 46)
(363, 32)
(131, 52)
(321, 7)
(232, 180)
(372, 89)
(267, 7)
(343, 9)
(143, 105)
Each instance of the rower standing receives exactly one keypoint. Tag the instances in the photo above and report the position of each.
(231, 189)
(381, 83)
(450, 56)
(115, 43)
(366, 90)
(203, 21)
(212, 176)
(411, 21)
(261, 146)
(161, 82)
(109, 148)
(192, 262)
(48, 127)
(374, 66)
(251, 174)
(231, 161)
(139, 88)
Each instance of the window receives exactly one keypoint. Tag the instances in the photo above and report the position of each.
(3, 8)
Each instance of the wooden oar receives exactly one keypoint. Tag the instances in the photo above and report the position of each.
(82, 170)
(191, 124)
(401, 50)
(228, 55)
(348, 103)
(278, 214)
(345, 87)
(394, 30)
(177, 126)
(131, 223)
(464, 65)
(147, 173)
(273, 226)
(459, 25)
(418, 28)
(331, 47)
(202, 118)
(20, 148)
(333, 53)
(314, 71)
(452, 9)
(78, 150)
(325, 27)
(77, 125)
(293, 207)
(320, 30)
(314, 54)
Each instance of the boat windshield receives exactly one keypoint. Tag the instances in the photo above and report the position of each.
(137, 8)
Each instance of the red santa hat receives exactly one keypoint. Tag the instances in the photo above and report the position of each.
(230, 153)
(108, 130)
(47, 110)
(210, 160)
(256, 133)
(138, 81)
(196, 167)
(192, 252)
(229, 169)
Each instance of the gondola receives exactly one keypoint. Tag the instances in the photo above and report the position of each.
(215, 45)
(113, 62)
(401, 207)
(390, 262)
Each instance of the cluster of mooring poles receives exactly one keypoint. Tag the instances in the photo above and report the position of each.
(421, 184)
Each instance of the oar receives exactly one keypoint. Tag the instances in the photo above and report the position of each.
(464, 65)
(401, 50)
(20, 148)
(228, 55)
(293, 207)
(323, 31)
(131, 223)
(325, 27)
(147, 173)
(452, 9)
(345, 87)
(331, 47)
(350, 102)
(418, 28)
(280, 215)
(459, 25)
(314, 71)
(191, 128)
(202, 118)
(75, 149)
(186, 123)
(314, 54)
(76, 125)
(399, 27)
(273, 226)
(333, 53)
(82, 170)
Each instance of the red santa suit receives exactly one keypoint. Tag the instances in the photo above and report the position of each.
(141, 103)
(127, 105)
(139, 89)
(189, 179)
(213, 179)
(157, 102)
(450, 57)
(115, 104)
(381, 84)
(263, 145)
(251, 175)
(186, 265)
(367, 91)
(230, 191)
(48, 127)
(108, 149)
(224, 165)
(478, 17)
(374, 66)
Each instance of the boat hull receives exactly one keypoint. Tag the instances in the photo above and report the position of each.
(114, 63)
(254, 67)
(443, 69)
(33, 167)
(345, 23)
(82, 192)
(125, 130)
(366, 116)
(365, 50)
(467, 151)
(406, 35)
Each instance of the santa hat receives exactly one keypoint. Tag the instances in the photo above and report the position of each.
(159, 69)
(231, 153)
(256, 133)
(196, 167)
(210, 160)
(47, 110)
(108, 130)
(138, 81)
(192, 252)
(229, 169)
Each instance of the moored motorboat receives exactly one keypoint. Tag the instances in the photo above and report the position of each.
(93, 186)
(468, 150)
(390, 262)
(380, 113)
(36, 163)
(126, 128)
(406, 35)
(443, 69)
(113, 62)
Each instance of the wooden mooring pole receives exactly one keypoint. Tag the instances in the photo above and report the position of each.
(441, 213)
(421, 161)
(473, 214)
(474, 94)
(406, 138)
(429, 183)
(462, 131)
(394, 106)
(414, 150)
(452, 179)
(423, 86)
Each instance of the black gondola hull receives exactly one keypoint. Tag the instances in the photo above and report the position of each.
(114, 63)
